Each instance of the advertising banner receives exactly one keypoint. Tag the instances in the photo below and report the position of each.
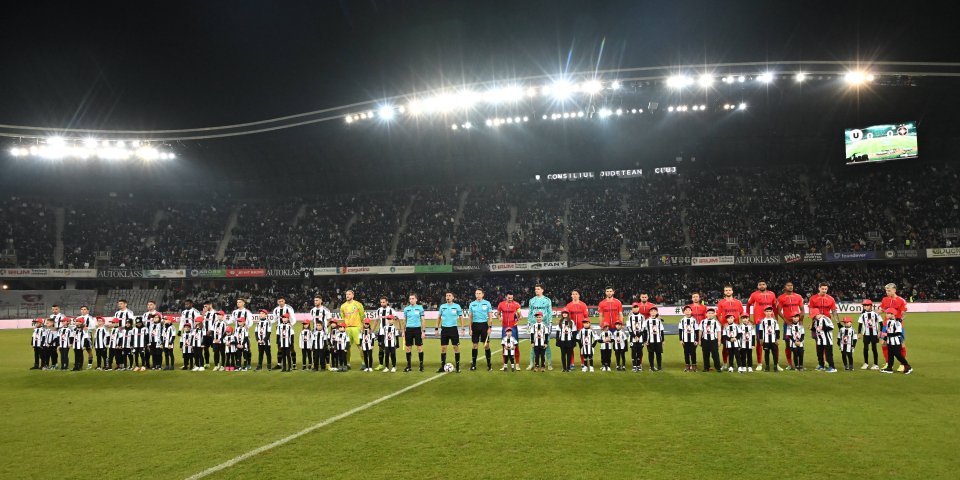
(526, 266)
(672, 260)
(432, 268)
(720, 260)
(812, 257)
(324, 271)
(759, 260)
(206, 273)
(246, 272)
(943, 252)
(375, 270)
(174, 273)
(48, 273)
(284, 272)
(119, 273)
(850, 256)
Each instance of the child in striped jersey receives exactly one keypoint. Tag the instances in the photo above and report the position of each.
(229, 349)
(306, 344)
(794, 336)
(868, 327)
(219, 328)
(539, 339)
(128, 344)
(168, 338)
(566, 339)
(50, 338)
(36, 342)
(368, 339)
(731, 341)
(65, 339)
(342, 346)
(389, 341)
(847, 338)
(318, 347)
(243, 344)
(138, 346)
(199, 347)
(186, 346)
(81, 342)
(655, 339)
(748, 342)
(587, 339)
(637, 329)
(285, 343)
(606, 346)
(116, 358)
(508, 345)
(621, 339)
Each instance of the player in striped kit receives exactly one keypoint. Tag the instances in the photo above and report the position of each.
(896, 302)
(188, 315)
(894, 339)
(101, 344)
(321, 316)
(154, 340)
(219, 330)
(367, 340)
(118, 358)
(731, 341)
(508, 345)
(606, 346)
(57, 318)
(868, 328)
(306, 344)
(391, 334)
(341, 347)
(789, 303)
(229, 348)
(319, 346)
(540, 339)
(186, 345)
(621, 340)
(48, 361)
(769, 339)
(655, 339)
(795, 335)
(823, 334)
(36, 342)
(747, 342)
(199, 341)
(689, 334)
(262, 336)
(168, 339)
(383, 311)
(88, 323)
(587, 339)
(138, 347)
(847, 338)
(128, 345)
(64, 341)
(284, 342)
(566, 340)
(81, 342)
(637, 328)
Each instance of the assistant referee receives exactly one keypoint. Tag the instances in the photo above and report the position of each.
(449, 330)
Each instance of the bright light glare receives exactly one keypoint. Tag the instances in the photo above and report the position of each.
(386, 112)
(855, 78)
(679, 81)
(561, 89)
(800, 76)
(765, 77)
(615, 85)
(592, 87)
(90, 143)
(55, 141)
(705, 80)
(743, 106)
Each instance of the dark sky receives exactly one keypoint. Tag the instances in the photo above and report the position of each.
(185, 64)
(179, 64)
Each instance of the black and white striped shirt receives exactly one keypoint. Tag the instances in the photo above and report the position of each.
(320, 315)
(139, 337)
(341, 341)
(382, 314)
(769, 330)
(689, 330)
(284, 335)
(621, 339)
(241, 313)
(36, 338)
(894, 332)
(795, 335)
(306, 338)
(87, 320)
(823, 330)
(198, 338)
(869, 324)
(567, 331)
(186, 342)
(319, 339)
(367, 339)
(81, 337)
(710, 329)
(219, 328)
(230, 343)
(278, 315)
(168, 336)
(243, 339)
(57, 318)
(587, 339)
(509, 346)
(262, 332)
(51, 337)
(390, 335)
(847, 338)
(732, 335)
(606, 340)
(187, 316)
(124, 315)
(155, 335)
(117, 337)
(538, 334)
(654, 330)
(65, 337)
(749, 331)
(637, 327)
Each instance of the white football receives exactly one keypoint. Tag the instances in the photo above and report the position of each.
(448, 367)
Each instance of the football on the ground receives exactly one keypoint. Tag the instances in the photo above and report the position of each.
(448, 367)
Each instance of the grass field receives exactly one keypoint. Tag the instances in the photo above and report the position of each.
(894, 146)
(489, 424)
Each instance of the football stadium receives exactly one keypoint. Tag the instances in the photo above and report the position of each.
(427, 239)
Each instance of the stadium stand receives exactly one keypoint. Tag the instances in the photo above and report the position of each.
(107, 233)
(28, 233)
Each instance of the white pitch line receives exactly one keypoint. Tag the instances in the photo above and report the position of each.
(235, 460)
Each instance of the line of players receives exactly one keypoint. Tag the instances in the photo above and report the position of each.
(326, 344)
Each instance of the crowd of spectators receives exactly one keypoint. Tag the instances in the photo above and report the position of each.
(429, 227)
(261, 237)
(540, 226)
(28, 233)
(115, 229)
(189, 234)
(598, 220)
(371, 235)
(481, 234)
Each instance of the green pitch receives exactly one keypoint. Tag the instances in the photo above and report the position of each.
(489, 424)
(884, 147)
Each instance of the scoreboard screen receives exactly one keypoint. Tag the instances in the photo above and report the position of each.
(880, 143)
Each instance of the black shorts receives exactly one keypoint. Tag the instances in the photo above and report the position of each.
(449, 335)
(413, 335)
(380, 340)
(207, 341)
(86, 343)
(478, 332)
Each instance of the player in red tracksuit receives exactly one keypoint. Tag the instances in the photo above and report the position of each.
(789, 303)
(509, 310)
(894, 301)
(645, 305)
(820, 302)
(760, 300)
(728, 306)
(577, 310)
(697, 309)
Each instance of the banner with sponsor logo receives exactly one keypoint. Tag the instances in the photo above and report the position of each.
(943, 252)
(892, 254)
(119, 273)
(173, 273)
(812, 257)
(48, 273)
(759, 260)
(246, 272)
(432, 268)
(526, 266)
(792, 258)
(324, 271)
(375, 270)
(851, 256)
(672, 260)
(284, 272)
(719, 260)
(206, 273)
(467, 268)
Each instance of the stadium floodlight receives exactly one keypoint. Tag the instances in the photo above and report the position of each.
(488, 123)
(90, 142)
(454, 127)
(619, 112)
(566, 114)
(509, 120)
(467, 125)
(526, 118)
(386, 112)
(544, 117)
(511, 93)
(765, 77)
(55, 141)
(725, 79)
(741, 79)
(532, 92)
(703, 107)
(604, 112)
(679, 81)
(591, 87)
(415, 107)
(561, 89)
(580, 114)
(705, 80)
(858, 77)
(615, 85)
(349, 119)
(800, 76)
(743, 106)
(670, 108)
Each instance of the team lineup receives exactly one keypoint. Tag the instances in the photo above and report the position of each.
(728, 337)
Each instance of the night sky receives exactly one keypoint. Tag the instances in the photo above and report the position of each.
(173, 64)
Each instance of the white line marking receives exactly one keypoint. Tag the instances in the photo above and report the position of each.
(290, 438)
